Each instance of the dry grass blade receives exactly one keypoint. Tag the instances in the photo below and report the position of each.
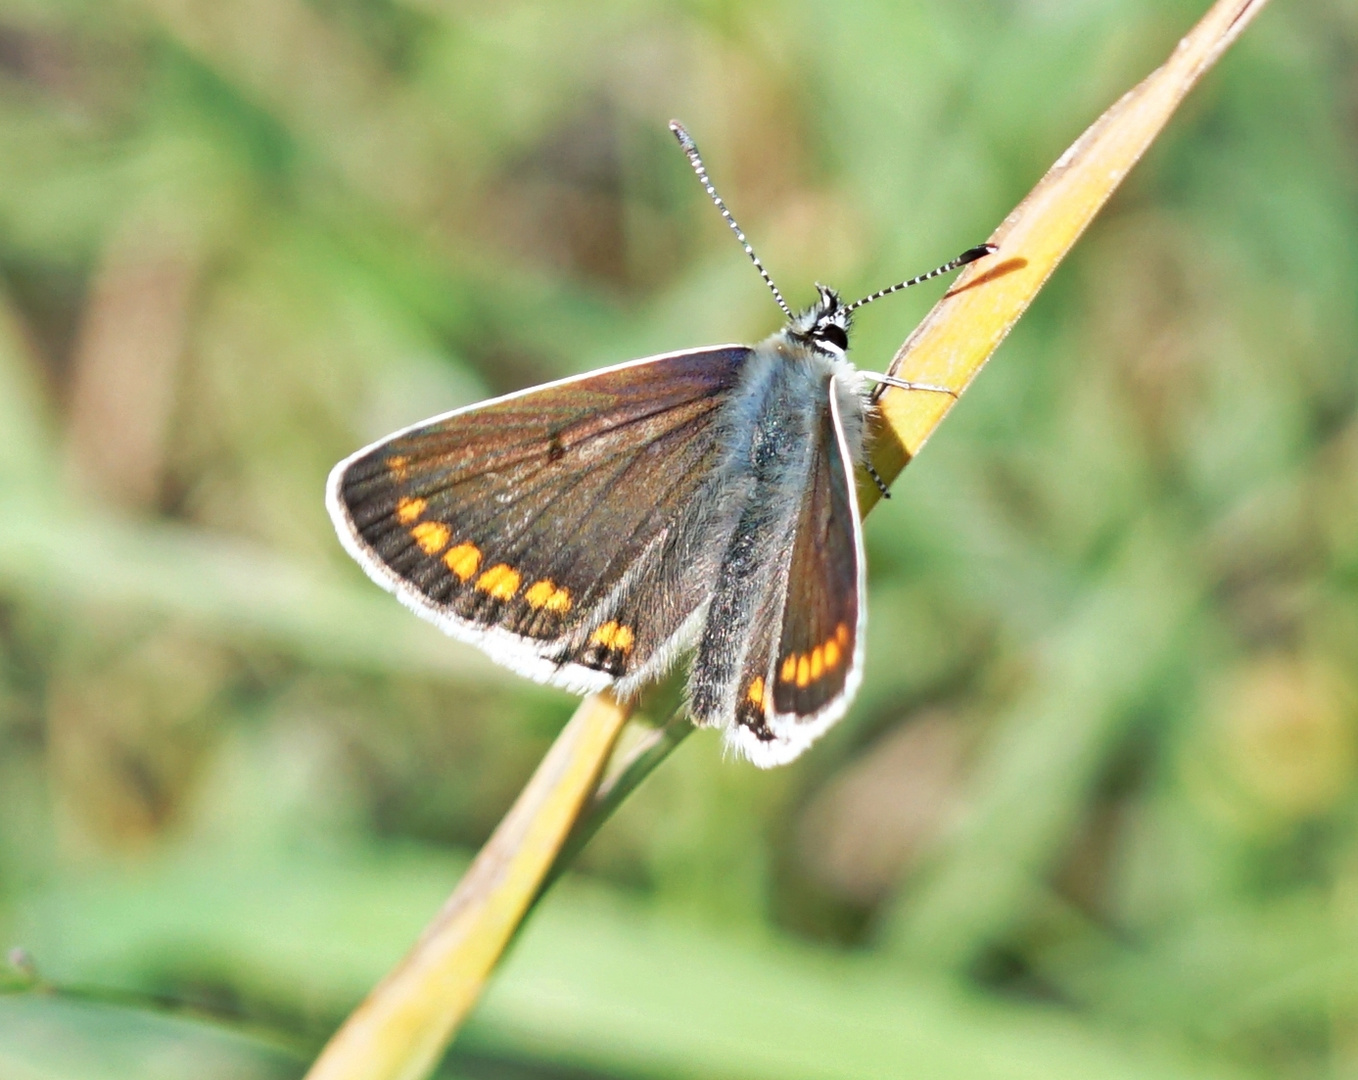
(402, 1028)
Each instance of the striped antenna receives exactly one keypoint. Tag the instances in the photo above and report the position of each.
(691, 149)
(970, 255)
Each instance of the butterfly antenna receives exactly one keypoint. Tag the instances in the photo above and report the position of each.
(970, 255)
(691, 149)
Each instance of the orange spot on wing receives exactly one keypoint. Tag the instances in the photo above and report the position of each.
(463, 560)
(501, 581)
(408, 510)
(431, 536)
(397, 464)
(546, 594)
(805, 668)
(539, 593)
(755, 694)
(611, 635)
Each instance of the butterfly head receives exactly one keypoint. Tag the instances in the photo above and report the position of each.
(825, 324)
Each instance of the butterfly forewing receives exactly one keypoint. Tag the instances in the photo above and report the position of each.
(818, 660)
(539, 525)
(803, 621)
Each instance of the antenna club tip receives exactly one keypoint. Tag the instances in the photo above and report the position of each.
(980, 251)
(681, 133)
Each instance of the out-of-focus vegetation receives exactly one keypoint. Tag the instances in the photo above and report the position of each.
(1094, 812)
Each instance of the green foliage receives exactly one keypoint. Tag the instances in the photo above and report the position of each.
(1100, 820)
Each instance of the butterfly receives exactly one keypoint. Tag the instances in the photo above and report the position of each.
(587, 532)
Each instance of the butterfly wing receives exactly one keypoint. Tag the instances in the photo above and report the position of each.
(801, 676)
(552, 527)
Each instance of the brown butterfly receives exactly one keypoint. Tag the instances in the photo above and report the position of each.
(587, 532)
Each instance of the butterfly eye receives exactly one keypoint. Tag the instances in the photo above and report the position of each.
(833, 335)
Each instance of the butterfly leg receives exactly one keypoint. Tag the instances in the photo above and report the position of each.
(902, 384)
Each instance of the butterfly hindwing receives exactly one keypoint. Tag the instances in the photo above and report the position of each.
(546, 525)
(750, 732)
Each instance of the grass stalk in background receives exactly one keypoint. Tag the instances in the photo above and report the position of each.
(402, 1029)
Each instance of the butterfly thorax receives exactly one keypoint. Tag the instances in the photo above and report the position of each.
(812, 349)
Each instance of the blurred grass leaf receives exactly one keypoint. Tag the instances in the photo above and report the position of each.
(598, 980)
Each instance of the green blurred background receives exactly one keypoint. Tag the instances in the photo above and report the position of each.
(1093, 813)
